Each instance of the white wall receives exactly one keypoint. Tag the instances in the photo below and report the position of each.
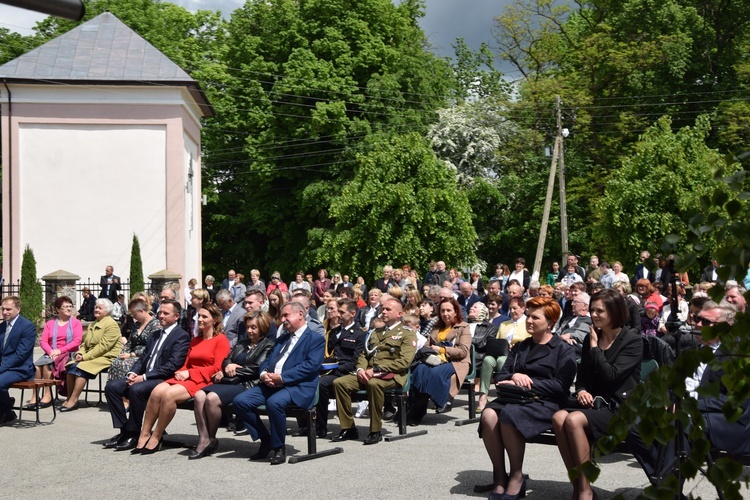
(192, 213)
(72, 223)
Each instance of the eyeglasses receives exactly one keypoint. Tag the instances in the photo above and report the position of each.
(697, 318)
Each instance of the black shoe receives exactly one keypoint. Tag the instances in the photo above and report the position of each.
(126, 444)
(263, 451)
(346, 435)
(234, 425)
(321, 433)
(151, 451)
(45, 405)
(8, 418)
(302, 431)
(212, 447)
(373, 438)
(114, 441)
(388, 415)
(446, 407)
(65, 409)
(279, 456)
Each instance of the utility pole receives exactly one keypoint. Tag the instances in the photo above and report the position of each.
(547, 205)
(561, 134)
(557, 157)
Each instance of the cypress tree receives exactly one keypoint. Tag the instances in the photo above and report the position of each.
(136, 268)
(31, 293)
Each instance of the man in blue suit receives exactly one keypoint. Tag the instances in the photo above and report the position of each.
(17, 338)
(289, 375)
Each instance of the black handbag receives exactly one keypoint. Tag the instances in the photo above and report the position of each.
(497, 347)
(514, 394)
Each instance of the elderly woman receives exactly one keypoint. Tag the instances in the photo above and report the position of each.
(543, 364)
(239, 372)
(481, 330)
(255, 282)
(60, 338)
(145, 325)
(451, 342)
(299, 283)
(513, 331)
(100, 347)
(206, 353)
(574, 330)
(610, 368)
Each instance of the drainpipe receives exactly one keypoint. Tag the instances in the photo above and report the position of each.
(9, 205)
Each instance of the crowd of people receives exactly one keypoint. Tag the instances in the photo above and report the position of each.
(563, 355)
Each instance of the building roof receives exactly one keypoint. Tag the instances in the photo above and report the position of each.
(101, 51)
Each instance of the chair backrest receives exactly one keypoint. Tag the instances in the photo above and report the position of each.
(473, 366)
(648, 366)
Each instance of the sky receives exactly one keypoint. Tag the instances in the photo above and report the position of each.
(445, 20)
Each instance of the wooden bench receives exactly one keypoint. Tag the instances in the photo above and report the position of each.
(37, 385)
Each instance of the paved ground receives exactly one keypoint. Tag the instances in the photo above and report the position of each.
(447, 462)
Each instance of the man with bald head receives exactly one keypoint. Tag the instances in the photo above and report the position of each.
(467, 298)
(382, 365)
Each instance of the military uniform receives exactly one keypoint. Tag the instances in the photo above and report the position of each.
(387, 351)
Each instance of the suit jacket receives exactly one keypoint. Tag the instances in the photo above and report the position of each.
(171, 358)
(235, 329)
(614, 373)
(359, 320)
(579, 330)
(300, 371)
(18, 354)
(101, 345)
(638, 274)
(113, 288)
(458, 355)
(550, 366)
(347, 345)
(467, 303)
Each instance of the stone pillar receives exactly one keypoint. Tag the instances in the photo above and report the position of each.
(165, 278)
(60, 283)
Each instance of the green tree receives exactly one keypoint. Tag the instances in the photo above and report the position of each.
(401, 206)
(657, 190)
(725, 221)
(307, 82)
(31, 292)
(136, 268)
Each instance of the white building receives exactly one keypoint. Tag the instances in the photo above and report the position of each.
(100, 141)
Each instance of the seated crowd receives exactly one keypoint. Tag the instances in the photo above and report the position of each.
(248, 347)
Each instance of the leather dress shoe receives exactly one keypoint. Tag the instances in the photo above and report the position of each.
(346, 435)
(302, 431)
(321, 433)
(8, 418)
(263, 451)
(114, 441)
(279, 456)
(126, 444)
(65, 409)
(373, 438)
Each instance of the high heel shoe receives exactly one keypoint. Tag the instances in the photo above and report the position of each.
(521, 493)
(151, 451)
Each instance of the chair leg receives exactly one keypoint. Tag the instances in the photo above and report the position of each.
(312, 446)
(472, 403)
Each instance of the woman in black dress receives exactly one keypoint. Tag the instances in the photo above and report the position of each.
(239, 373)
(610, 368)
(544, 364)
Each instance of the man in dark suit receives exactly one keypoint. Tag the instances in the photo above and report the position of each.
(17, 338)
(110, 285)
(234, 328)
(467, 298)
(164, 354)
(641, 271)
(289, 375)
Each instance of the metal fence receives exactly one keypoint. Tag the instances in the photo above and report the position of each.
(15, 289)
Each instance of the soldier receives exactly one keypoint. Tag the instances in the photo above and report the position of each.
(382, 365)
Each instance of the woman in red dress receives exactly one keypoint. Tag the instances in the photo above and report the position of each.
(204, 358)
